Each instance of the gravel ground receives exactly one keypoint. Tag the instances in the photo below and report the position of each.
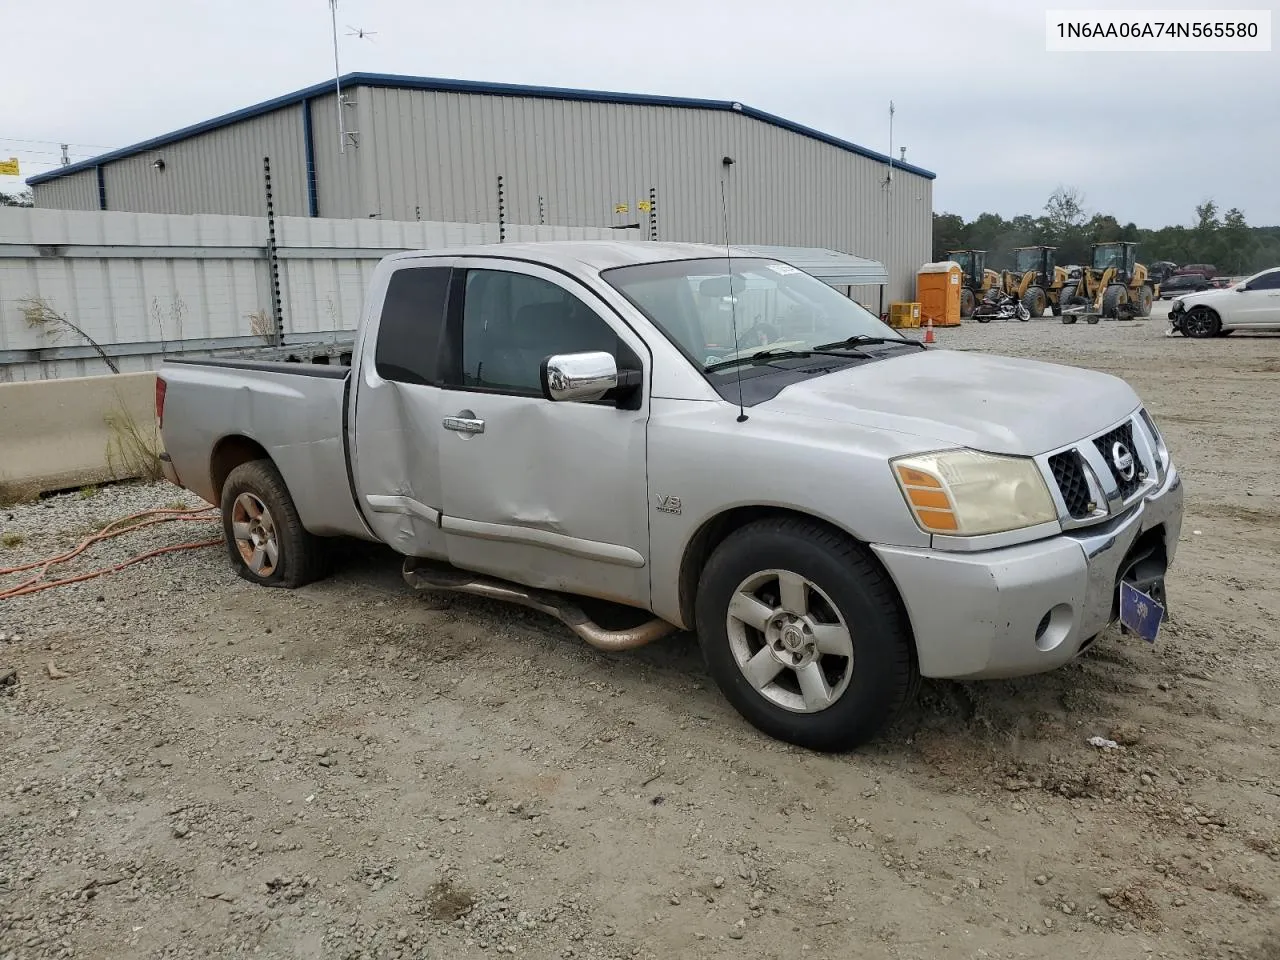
(354, 770)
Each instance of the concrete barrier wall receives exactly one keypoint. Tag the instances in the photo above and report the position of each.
(60, 434)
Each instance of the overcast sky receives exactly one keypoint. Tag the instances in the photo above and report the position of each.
(979, 101)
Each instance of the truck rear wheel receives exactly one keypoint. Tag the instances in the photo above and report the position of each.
(804, 635)
(266, 541)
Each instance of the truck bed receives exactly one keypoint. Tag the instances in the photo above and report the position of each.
(217, 408)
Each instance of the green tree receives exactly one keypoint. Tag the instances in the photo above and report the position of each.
(22, 199)
(1236, 242)
(1207, 216)
(1065, 210)
(1227, 241)
(949, 233)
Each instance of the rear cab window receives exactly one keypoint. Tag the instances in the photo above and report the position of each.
(411, 328)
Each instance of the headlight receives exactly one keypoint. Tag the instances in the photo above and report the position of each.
(964, 493)
(1162, 449)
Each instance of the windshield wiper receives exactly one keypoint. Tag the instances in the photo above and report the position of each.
(859, 340)
(766, 356)
(760, 356)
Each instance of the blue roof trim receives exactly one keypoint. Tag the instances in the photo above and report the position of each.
(476, 87)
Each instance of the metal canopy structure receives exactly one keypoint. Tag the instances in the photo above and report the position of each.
(830, 266)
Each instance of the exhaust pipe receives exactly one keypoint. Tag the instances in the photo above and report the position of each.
(425, 575)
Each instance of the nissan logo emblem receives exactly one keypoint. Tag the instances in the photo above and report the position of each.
(1122, 460)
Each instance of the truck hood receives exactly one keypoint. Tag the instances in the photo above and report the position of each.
(946, 398)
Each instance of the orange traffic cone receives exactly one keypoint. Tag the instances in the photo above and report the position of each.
(928, 332)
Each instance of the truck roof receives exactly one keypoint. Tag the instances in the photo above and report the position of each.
(595, 254)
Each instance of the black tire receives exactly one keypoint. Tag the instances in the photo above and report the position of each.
(300, 556)
(1035, 300)
(968, 302)
(1065, 298)
(983, 318)
(1112, 297)
(1092, 318)
(1201, 323)
(1144, 299)
(882, 673)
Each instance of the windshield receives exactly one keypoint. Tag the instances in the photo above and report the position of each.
(1024, 260)
(773, 306)
(961, 257)
(1104, 257)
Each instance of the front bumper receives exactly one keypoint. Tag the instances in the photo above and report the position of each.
(1031, 608)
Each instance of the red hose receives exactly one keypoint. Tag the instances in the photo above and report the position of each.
(113, 529)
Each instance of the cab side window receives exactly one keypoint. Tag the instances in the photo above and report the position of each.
(512, 322)
(412, 324)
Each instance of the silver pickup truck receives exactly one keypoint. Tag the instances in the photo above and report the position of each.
(707, 441)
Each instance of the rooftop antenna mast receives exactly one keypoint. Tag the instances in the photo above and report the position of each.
(890, 140)
(888, 197)
(337, 77)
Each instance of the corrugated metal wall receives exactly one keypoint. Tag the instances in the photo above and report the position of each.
(216, 172)
(75, 191)
(443, 152)
(338, 182)
(139, 294)
(437, 156)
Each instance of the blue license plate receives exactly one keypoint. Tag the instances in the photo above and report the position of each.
(1139, 612)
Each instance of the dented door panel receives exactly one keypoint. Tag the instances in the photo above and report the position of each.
(550, 494)
(395, 409)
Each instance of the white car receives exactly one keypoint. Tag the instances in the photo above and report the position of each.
(1251, 304)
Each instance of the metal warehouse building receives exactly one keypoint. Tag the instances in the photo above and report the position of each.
(428, 149)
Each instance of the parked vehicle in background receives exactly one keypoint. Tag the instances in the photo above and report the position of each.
(1181, 283)
(1251, 304)
(998, 305)
(1206, 270)
(834, 508)
(1161, 270)
(975, 278)
(1036, 279)
(1115, 287)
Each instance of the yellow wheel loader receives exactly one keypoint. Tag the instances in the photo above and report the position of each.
(977, 279)
(1114, 287)
(1036, 279)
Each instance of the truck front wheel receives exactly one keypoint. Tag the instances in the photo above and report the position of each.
(266, 541)
(804, 635)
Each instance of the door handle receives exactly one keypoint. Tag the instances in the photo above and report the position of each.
(464, 424)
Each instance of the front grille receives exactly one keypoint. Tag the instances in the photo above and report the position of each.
(1068, 471)
(1122, 434)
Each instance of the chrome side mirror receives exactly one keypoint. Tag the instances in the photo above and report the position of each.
(581, 377)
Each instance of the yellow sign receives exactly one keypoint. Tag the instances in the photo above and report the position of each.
(620, 208)
(9, 168)
(644, 206)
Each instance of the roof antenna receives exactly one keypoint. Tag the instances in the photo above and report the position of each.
(337, 76)
(726, 163)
